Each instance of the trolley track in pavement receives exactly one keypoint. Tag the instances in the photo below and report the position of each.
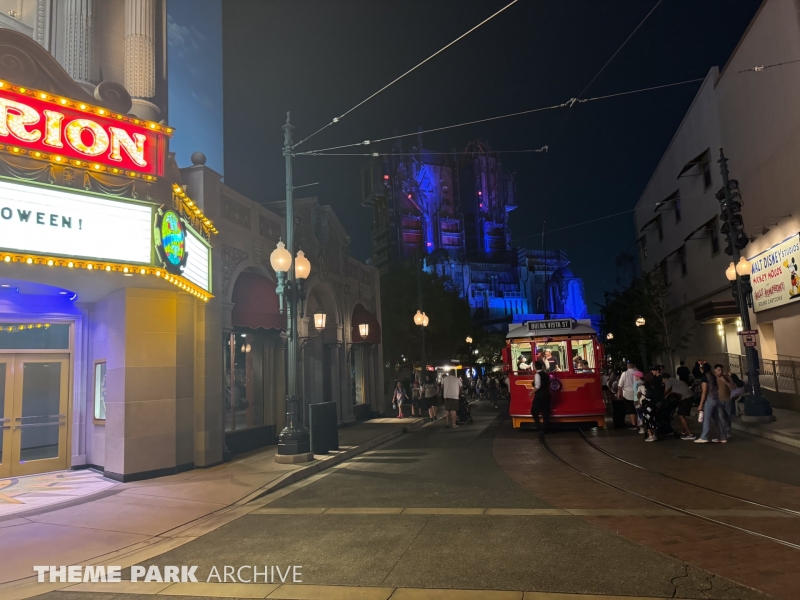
(788, 511)
(553, 454)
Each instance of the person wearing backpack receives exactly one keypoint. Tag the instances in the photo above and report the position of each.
(541, 396)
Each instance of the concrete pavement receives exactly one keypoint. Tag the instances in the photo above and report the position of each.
(140, 517)
(433, 511)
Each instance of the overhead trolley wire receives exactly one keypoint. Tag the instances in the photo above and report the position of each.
(759, 68)
(567, 104)
(459, 38)
(608, 62)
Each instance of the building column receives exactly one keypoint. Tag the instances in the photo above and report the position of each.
(140, 57)
(79, 60)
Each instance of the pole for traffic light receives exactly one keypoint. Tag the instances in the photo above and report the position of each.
(755, 405)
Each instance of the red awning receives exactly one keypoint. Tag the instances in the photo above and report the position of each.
(361, 316)
(255, 303)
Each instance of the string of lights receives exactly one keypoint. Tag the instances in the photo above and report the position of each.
(127, 270)
(568, 103)
(461, 37)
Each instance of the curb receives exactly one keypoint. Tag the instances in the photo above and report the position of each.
(321, 465)
(769, 435)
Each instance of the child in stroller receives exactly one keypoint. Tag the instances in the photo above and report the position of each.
(463, 413)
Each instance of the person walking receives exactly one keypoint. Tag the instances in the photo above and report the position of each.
(416, 409)
(625, 392)
(479, 385)
(430, 390)
(398, 397)
(726, 387)
(710, 408)
(653, 405)
(493, 391)
(451, 388)
(541, 396)
(678, 392)
(617, 403)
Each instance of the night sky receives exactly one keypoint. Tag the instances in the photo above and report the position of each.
(318, 58)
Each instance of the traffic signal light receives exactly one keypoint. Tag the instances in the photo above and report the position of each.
(732, 222)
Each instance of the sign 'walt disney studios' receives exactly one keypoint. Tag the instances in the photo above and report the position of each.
(775, 277)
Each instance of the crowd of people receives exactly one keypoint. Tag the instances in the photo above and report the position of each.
(650, 400)
(425, 398)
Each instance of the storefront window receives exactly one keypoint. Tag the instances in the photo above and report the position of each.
(553, 355)
(100, 390)
(521, 357)
(34, 336)
(244, 390)
(583, 356)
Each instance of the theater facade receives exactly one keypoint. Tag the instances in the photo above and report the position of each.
(104, 285)
(136, 337)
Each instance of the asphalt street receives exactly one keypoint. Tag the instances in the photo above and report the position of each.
(413, 513)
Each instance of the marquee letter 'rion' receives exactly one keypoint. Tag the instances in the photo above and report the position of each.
(59, 129)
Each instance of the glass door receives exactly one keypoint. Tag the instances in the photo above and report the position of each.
(39, 413)
(6, 395)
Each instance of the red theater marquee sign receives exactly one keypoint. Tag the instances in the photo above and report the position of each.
(53, 128)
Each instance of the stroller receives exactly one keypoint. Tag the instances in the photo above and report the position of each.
(463, 413)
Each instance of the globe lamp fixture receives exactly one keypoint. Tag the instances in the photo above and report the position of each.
(302, 267)
(418, 318)
(730, 272)
(610, 336)
(744, 267)
(280, 259)
(640, 322)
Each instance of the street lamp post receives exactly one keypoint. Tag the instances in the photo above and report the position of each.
(756, 407)
(294, 441)
(640, 322)
(421, 319)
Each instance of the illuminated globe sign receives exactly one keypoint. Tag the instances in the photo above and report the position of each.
(171, 241)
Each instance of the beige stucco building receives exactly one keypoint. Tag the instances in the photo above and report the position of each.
(753, 114)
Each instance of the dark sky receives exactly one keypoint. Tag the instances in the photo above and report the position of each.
(318, 58)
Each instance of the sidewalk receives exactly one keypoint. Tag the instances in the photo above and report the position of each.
(75, 530)
(784, 429)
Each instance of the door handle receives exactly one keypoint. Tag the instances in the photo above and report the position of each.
(42, 417)
(4, 420)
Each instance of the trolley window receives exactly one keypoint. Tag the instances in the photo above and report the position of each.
(521, 357)
(583, 356)
(553, 354)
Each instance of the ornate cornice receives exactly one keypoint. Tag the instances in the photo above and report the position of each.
(24, 62)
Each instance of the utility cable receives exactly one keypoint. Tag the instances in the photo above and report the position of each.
(566, 104)
(459, 38)
(543, 149)
(760, 68)
(608, 62)
(627, 39)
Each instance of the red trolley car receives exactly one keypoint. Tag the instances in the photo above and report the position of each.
(572, 356)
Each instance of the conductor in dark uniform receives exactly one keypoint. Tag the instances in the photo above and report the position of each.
(541, 396)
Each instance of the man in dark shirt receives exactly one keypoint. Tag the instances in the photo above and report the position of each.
(683, 372)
